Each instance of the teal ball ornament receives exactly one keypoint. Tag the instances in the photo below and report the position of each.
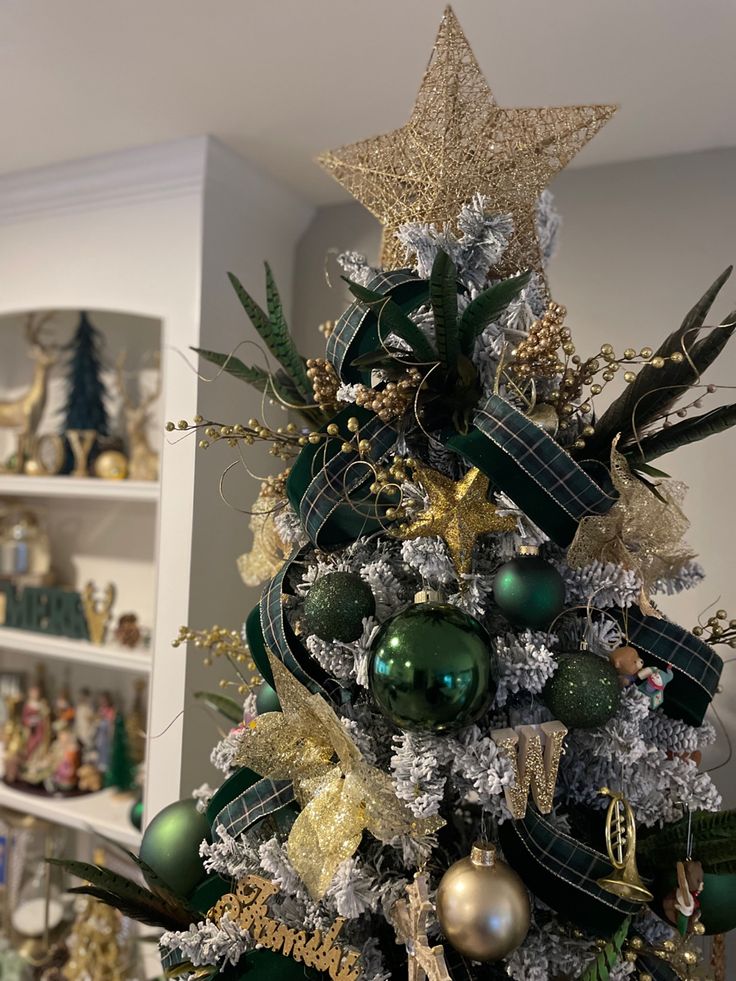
(171, 843)
(336, 605)
(266, 699)
(529, 591)
(584, 692)
(432, 668)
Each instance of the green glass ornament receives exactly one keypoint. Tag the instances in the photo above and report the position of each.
(584, 692)
(336, 605)
(171, 846)
(529, 591)
(136, 814)
(267, 700)
(432, 668)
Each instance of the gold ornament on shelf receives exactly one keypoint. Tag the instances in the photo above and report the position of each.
(111, 465)
(624, 879)
(641, 532)
(339, 800)
(248, 908)
(269, 551)
(483, 906)
(97, 611)
(458, 512)
(409, 917)
(533, 769)
(144, 460)
(458, 143)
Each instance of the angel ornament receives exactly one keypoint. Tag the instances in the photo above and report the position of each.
(143, 459)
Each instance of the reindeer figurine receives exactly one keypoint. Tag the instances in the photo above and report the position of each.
(24, 413)
(143, 459)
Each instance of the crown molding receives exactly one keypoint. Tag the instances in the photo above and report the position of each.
(160, 171)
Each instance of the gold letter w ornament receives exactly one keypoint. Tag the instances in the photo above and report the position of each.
(533, 769)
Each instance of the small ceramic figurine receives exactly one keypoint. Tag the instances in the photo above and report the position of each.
(682, 905)
(65, 760)
(36, 719)
(14, 739)
(63, 710)
(653, 683)
(104, 730)
(628, 664)
(85, 719)
(128, 632)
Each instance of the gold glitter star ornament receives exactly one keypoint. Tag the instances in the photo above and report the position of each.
(457, 143)
(457, 511)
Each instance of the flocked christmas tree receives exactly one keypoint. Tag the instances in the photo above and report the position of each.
(85, 407)
(485, 755)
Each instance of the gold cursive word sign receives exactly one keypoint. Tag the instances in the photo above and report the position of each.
(248, 907)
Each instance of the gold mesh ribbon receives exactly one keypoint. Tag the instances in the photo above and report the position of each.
(268, 552)
(642, 532)
(341, 795)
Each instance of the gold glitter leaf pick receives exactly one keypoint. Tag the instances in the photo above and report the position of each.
(457, 143)
(341, 795)
(458, 511)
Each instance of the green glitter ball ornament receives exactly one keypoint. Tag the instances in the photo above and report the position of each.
(584, 692)
(171, 846)
(529, 591)
(432, 668)
(336, 605)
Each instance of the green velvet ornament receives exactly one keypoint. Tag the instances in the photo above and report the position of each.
(717, 900)
(171, 846)
(584, 692)
(432, 668)
(529, 592)
(267, 700)
(336, 605)
(136, 814)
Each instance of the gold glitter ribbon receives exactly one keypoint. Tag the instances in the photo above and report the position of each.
(268, 551)
(341, 795)
(642, 531)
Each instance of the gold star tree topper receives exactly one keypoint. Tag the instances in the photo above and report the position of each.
(457, 511)
(457, 143)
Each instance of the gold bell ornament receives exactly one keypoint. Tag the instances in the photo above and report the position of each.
(483, 906)
(624, 879)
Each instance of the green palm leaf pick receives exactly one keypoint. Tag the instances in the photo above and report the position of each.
(443, 297)
(487, 307)
(682, 433)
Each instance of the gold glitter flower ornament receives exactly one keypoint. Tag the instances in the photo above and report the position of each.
(458, 143)
(341, 795)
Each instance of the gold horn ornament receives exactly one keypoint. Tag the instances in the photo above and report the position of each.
(341, 795)
(624, 880)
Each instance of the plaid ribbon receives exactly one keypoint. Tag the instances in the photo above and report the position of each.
(563, 873)
(257, 802)
(329, 488)
(532, 469)
(281, 640)
(696, 666)
(357, 330)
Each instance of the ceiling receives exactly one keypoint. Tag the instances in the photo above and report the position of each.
(280, 80)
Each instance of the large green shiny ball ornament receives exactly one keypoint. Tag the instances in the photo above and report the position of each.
(171, 846)
(336, 605)
(432, 668)
(529, 592)
(584, 692)
(267, 700)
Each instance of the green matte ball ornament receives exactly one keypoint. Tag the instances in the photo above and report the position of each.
(336, 606)
(584, 692)
(267, 700)
(136, 814)
(529, 591)
(432, 668)
(716, 903)
(171, 846)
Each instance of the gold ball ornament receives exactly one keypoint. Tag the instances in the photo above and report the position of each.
(111, 465)
(483, 906)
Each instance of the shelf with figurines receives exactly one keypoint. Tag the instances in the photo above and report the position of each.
(59, 749)
(98, 452)
(39, 616)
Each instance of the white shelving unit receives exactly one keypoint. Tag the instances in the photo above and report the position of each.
(77, 651)
(80, 488)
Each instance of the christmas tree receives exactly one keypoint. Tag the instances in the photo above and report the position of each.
(484, 758)
(85, 406)
(120, 771)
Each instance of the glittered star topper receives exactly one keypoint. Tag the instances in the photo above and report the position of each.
(457, 143)
(457, 511)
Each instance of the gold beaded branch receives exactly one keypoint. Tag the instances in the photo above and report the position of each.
(219, 642)
(718, 629)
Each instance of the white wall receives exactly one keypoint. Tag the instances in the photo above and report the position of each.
(640, 243)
